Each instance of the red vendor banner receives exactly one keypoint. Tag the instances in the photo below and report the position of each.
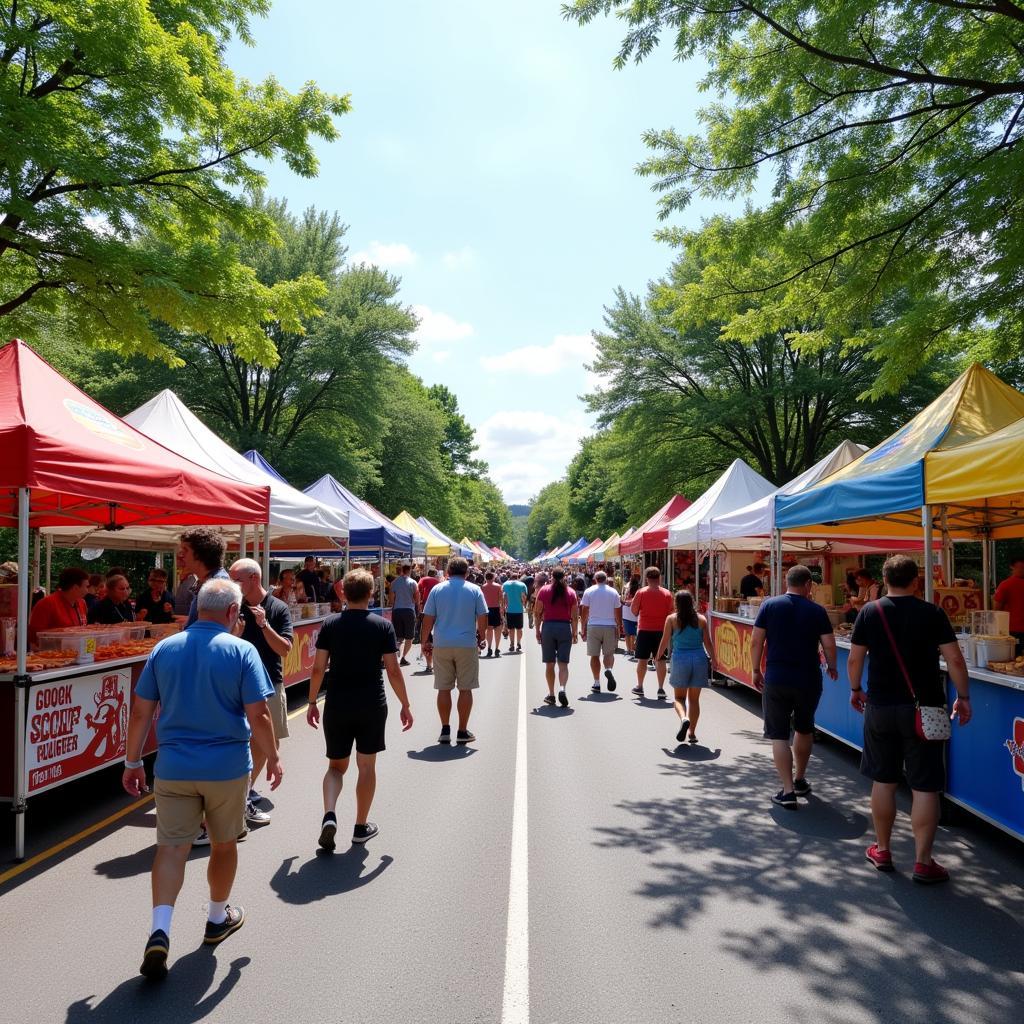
(298, 662)
(733, 641)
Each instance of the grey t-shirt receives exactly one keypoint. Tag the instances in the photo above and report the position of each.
(403, 590)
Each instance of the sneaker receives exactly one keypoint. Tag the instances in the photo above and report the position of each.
(464, 736)
(563, 698)
(497, 652)
(446, 734)
(254, 797)
(611, 680)
(328, 829)
(930, 874)
(802, 787)
(403, 663)
(243, 835)
(549, 699)
(650, 665)
(234, 919)
(362, 833)
(784, 799)
(638, 690)
(693, 737)
(154, 960)
(519, 647)
(254, 816)
(489, 654)
(661, 693)
(203, 839)
(882, 859)
(683, 726)
(632, 657)
(511, 649)
(595, 687)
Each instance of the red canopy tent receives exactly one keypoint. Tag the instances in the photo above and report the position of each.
(64, 459)
(653, 535)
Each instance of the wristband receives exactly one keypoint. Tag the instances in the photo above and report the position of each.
(311, 703)
(132, 764)
(856, 689)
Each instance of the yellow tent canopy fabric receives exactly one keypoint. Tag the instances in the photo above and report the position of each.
(435, 547)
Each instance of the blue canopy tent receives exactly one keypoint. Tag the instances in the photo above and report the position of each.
(578, 546)
(257, 460)
(457, 548)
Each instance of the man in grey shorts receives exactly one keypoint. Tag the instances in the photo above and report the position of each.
(601, 619)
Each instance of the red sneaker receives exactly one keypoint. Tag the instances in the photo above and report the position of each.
(930, 874)
(882, 859)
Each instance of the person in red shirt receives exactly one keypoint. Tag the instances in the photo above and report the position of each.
(64, 607)
(425, 586)
(652, 606)
(557, 615)
(1009, 597)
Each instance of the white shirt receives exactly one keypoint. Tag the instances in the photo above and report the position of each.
(627, 611)
(602, 601)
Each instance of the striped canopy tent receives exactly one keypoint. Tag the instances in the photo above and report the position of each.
(432, 545)
(555, 553)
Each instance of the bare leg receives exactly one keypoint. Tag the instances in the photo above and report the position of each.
(693, 699)
(220, 872)
(680, 701)
(595, 668)
(444, 705)
(366, 785)
(641, 672)
(408, 648)
(924, 819)
(333, 782)
(563, 673)
(549, 676)
(883, 812)
(465, 707)
(169, 873)
(782, 755)
(803, 742)
(661, 670)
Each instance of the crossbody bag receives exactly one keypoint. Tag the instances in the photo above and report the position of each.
(930, 723)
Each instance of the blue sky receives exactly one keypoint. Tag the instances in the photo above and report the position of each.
(489, 162)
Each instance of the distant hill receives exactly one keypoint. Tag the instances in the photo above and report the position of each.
(519, 510)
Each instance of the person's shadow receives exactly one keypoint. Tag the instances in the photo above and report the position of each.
(600, 698)
(552, 711)
(693, 752)
(183, 998)
(442, 752)
(327, 874)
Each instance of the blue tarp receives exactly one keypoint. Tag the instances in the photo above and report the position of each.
(257, 460)
(578, 546)
(457, 548)
(368, 528)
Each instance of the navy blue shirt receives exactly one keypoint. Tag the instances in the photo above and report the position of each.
(193, 611)
(794, 625)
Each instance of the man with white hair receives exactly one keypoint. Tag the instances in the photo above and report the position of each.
(601, 618)
(267, 625)
(212, 691)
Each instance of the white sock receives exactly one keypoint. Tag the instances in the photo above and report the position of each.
(561, 687)
(162, 919)
(218, 913)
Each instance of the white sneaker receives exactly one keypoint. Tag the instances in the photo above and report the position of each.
(254, 816)
(596, 688)
(203, 839)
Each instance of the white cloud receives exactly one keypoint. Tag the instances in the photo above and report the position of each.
(385, 254)
(439, 327)
(440, 357)
(565, 352)
(459, 259)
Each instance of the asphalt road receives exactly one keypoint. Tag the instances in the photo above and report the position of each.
(661, 885)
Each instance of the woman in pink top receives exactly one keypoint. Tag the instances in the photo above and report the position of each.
(492, 597)
(557, 616)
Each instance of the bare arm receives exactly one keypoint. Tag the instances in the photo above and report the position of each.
(397, 681)
(709, 646)
(262, 726)
(957, 669)
(574, 614)
(134, 779)
(758, 636)
(316, 680)
(854, 672)
(828, 646)
(666, 637)
(481, 627)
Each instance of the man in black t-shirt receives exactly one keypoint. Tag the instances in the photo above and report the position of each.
(267, 625)
(892, 751)
(350, 649)
(751, 585)
(310, 579)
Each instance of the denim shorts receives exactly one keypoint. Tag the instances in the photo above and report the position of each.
(555, 641)
(689, 669)
(629, 627)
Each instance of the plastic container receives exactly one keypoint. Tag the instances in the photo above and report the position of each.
(993, 648)
(82, 642)
(158, 630)
(323, 610)
(990, 623)
(307, 611)
(295, 612)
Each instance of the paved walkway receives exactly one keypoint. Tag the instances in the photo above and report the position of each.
(661, 886)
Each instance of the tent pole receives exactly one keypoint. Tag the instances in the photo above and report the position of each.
(381, 604)
(986, 573)
(36, 560)
(929, 578)
(243, 541)
(776, 556)
(21, 680)
(266, 550)
(49, 563)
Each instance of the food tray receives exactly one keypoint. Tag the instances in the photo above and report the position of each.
(1007, 668)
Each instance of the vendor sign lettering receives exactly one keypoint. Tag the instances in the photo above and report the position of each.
(733, 649)
(75, 727)
(298, 662)
(1015, 745)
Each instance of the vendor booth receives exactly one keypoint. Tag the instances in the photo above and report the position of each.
(587, 554)
(67, 461)
(648, 544)
(432, 530)
(434, 546)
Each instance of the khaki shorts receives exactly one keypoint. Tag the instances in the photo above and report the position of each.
(602, 639)
(182, 806)
(277, 703)
(456, 666)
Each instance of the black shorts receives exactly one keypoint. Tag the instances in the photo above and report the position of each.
(789, 709)
(647, 643)
(893, 751)
(514, 620)
(493, 616)
(404, 621)
(344, 726)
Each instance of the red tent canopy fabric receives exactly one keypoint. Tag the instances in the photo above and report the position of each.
(653, 535)
(85, 465)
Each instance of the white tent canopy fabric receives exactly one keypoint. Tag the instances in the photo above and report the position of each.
(737, 486)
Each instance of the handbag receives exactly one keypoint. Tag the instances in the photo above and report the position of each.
(930, 723)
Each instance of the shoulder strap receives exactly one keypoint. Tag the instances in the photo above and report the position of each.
(895, 649)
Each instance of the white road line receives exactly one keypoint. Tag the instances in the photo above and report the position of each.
(515, 1007)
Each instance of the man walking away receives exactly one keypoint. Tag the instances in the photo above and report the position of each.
(493, 599)
(457, 614)
(652, 605)
(601, 616)
(351, 647)
(514, 595)
(267, 625)
(794, 627)
(212, 691)
(905, 637)
(528, 582)
(405, 604)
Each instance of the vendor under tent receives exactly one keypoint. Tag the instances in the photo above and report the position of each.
(67, 461)
(261, 463)
(435, 548)
(457, 548)
(653, 535)
(587, 554)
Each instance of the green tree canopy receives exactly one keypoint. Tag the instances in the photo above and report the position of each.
(550, 521)
(127, 146)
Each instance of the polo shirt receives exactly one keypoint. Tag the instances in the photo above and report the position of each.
(455, 605)
(601, 600)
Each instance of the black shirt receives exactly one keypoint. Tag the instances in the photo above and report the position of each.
(750, 585)
(107, 613)
(311, 584)
(280, 621)
(528, 581)
(794, 626)
(918, 628)
(357, 641)
(154, 606)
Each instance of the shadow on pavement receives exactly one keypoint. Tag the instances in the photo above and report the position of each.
(873, 947)
(600, 698)
(183, 998)
(442, 752)
(555, 711)
(326, 875)
(650, 702)
(692, 753)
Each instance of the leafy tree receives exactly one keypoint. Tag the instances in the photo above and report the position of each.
(550, 521)
(591, 476)
(890, 137)
(460, 438)
(126, 146)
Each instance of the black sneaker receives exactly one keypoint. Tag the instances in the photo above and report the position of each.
(464, 736)
(563, 698)
(683, 727)
(404, 663)
(519, 647)
(661, 693)
(362, 833)
(784, 799)
(497, 652)
(511, 649)
(595, 687)
(446, 735)
(154, 960)
(489, 654)
(219, 932)
(327, 831)
(802, 787)
(549, 699)
(638, 691)
(611, 680)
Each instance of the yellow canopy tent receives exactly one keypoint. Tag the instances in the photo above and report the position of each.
(435, 547)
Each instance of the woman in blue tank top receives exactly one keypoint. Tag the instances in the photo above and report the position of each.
(686, 634)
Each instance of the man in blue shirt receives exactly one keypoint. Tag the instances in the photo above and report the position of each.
(457, 613)
(212, 691)
(795, 628)
(514, 594)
